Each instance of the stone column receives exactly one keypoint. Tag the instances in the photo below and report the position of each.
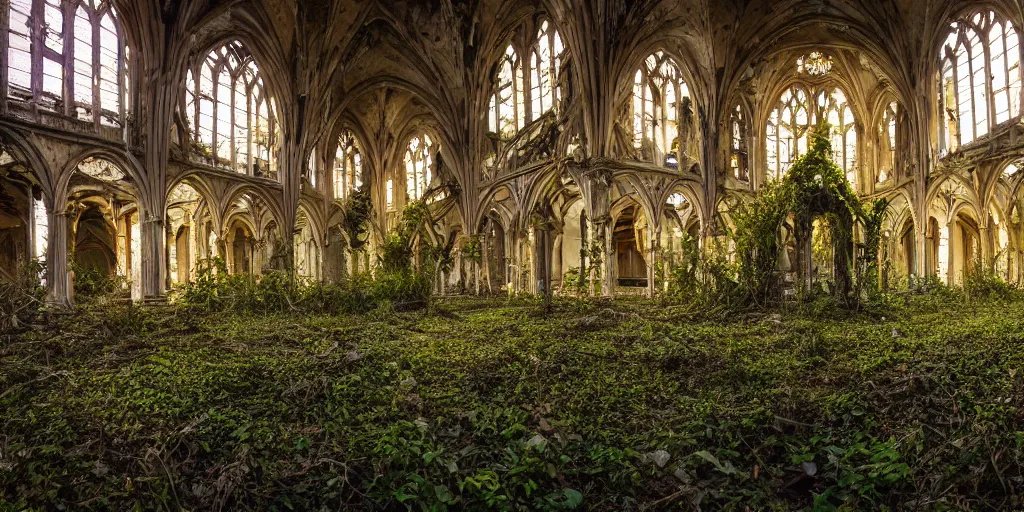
(151, 241)
(59, 285)
(257, 256)
(611, 268)
(595, 183)
(987, 244)
(950, 252)
(169, 239)
(556, 260)
(653, 244)
(485, 258)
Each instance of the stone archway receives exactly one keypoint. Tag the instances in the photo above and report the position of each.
(628, 239)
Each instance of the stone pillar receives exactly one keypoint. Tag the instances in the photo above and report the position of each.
(151, 240)
(653, 244)
(229, 251)
(60, 286)
(556, 260)
(951, 250)
(594, 185)
(485, 258)
(257, 256)
(169, 239)
(987, 244)
(610, 270)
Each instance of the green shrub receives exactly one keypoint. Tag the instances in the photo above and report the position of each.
(275, 292)
(575, 283)
(704, 278)
(984, 282)
(90, 283)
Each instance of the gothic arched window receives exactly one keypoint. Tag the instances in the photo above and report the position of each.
(660, 99)
(980, 81)
(508, 109)
(738, 145)
(834, 108)
(787, 131)
(794, 116)
(232, 118)
(887, 144)
(544, 65)
(418, 166)
(89, 46)
(348, 166)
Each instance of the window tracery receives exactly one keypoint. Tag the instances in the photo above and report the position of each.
(660, 98)
(787, 131)
(348, 166)
(795, 115)
(526, 88)
(231, 116)
(508, 108)
(814, 64)
(835, 109)
(419, 165)
(980, 78)
(887, 144)
(738, 146)
(88, 46)
(544, 65)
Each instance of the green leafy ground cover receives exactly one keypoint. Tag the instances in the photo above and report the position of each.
(491, 405)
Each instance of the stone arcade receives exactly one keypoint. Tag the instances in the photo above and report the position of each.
(140, 137)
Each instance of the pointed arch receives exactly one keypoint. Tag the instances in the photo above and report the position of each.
(233, 120)
(508, 105)
(979, 78)
(661, 101)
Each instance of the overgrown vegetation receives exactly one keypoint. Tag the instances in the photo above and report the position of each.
(93, 284)
(356, 211)
(396, 283)
(705, 280)
(489, 405)
(214, 290)
(813, 197)
(21, 298)
(269, 393)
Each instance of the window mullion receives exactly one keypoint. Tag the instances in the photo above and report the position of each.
(215, 81)
(990, 97)
(233, 125)
(249, 114)
(68, 65)
(956, 99)
(1020, 74)
(197, 78)
(36, 36)
(97, 108)
(122, 65)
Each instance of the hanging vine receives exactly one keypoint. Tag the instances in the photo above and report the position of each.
(814, 188)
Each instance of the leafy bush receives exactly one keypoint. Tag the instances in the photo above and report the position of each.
(403, 290)
(90, 283)
(397, 250)
(704, 278)
(574, 282)
(277, 292)
(758, 243)
(982, 281)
